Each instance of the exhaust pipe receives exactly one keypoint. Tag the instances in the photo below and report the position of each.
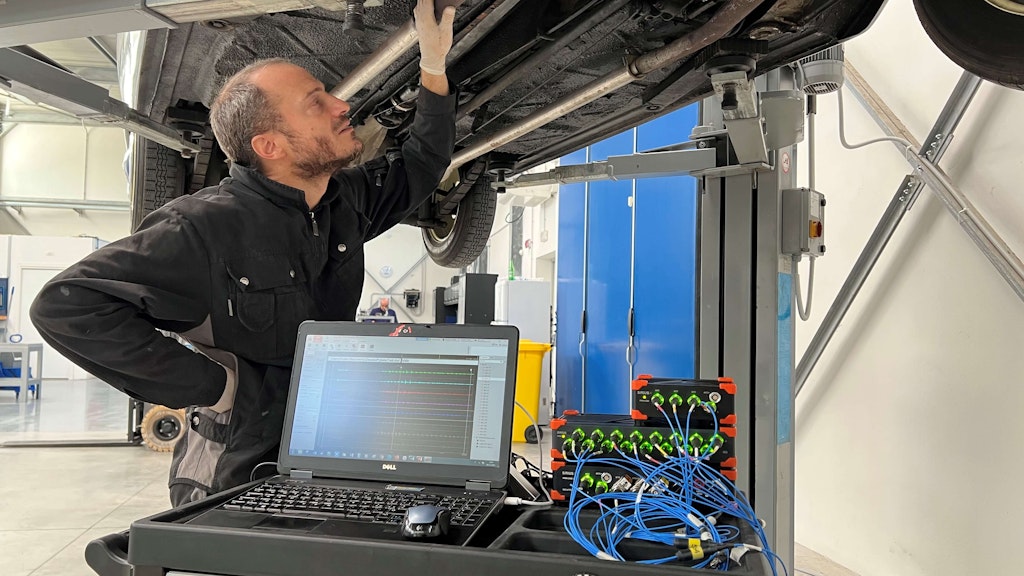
(386, 55)
(727, 18)
(405, 38)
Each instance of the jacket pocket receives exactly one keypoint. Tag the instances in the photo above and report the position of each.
(264, 295)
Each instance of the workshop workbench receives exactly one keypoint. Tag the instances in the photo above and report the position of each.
(31, 374)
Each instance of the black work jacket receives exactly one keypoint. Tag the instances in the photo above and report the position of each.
(234, 269)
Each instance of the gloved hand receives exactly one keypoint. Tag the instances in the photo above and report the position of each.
(435, 37)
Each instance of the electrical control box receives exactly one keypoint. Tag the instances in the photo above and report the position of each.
(611, 436)
(650, 394)
(803, 222)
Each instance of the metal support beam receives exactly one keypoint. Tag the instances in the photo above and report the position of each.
(46, 20)
(197, 10)
(102, 49)
(974, 224)
(745, 322)
(58, 89)
(629, 167)
(44, 116)
(70, 204)
(934, 148)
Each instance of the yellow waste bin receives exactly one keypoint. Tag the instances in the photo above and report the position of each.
(528, 373)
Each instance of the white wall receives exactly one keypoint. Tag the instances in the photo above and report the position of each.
(32, 261)
(401, 249)
(908, 429)
(540, 230)
(72, 162)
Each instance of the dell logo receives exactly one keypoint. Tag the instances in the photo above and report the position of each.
(389, 466)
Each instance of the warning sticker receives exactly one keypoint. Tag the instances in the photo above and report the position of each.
(786, 162)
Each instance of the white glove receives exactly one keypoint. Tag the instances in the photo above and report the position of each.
(435, 37)
(227, 399)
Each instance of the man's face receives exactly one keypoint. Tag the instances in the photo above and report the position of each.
(384, 302)
(318, 139)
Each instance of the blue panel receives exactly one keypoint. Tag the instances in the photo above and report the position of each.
(666, 259)
(666, 276)
(608, 258)
(669, 129)
(568, 362)
(784, 402)
(617, 145)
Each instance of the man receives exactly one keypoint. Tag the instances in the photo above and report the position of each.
(237, 267)
(383, 309)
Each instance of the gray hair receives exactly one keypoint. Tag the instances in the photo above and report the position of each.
(241, 111)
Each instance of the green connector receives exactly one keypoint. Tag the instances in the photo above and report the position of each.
(607, 447)
(715, 443)
(616, 436)
(667, 448)
(627, 446)
(678, 439)
(578, 434)
(675, 400)
(567, 445)
(656, 437)
(636, 437)
(646, 449)
(601, 487)
(597, 435)
(586, 481)
(588, 445)
(657, 399)
(693, 400)
(696, 440)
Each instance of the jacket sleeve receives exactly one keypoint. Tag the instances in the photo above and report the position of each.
(385, 194)
(103, 314)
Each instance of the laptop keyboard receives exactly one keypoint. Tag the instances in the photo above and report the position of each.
(377, 506)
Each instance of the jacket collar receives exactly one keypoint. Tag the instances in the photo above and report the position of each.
(278, 193)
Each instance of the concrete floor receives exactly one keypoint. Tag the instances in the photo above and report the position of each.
(53, 501)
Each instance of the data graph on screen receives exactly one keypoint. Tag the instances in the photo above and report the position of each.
(389, 405)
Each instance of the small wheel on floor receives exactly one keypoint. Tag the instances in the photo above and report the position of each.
(531, 435)
(162, 427)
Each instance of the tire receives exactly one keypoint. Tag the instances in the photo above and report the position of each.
(161, 175)
(162, 427)
(463, 236)
(531, 434)
(981, 38)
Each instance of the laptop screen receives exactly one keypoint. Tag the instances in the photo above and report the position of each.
(398, 404)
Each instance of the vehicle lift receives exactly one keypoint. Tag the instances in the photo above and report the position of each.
(743, 154)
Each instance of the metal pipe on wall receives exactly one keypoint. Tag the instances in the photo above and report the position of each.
(934, 147)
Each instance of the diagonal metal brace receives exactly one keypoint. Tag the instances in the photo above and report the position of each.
(68, 93)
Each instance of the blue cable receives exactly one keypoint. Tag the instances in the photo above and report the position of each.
(689, 482)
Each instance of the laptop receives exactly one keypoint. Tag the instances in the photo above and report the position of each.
(384, 417)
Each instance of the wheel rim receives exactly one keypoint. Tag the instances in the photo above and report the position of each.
(167, 428)
(441, 233)
(1011, 6)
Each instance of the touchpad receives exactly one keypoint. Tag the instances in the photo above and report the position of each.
(289, 523)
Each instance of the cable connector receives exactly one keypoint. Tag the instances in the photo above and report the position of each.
(516, 501)
(697, 549)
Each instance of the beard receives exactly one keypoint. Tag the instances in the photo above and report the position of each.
(319, 158)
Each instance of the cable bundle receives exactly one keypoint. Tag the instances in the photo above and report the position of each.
(676, 500)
